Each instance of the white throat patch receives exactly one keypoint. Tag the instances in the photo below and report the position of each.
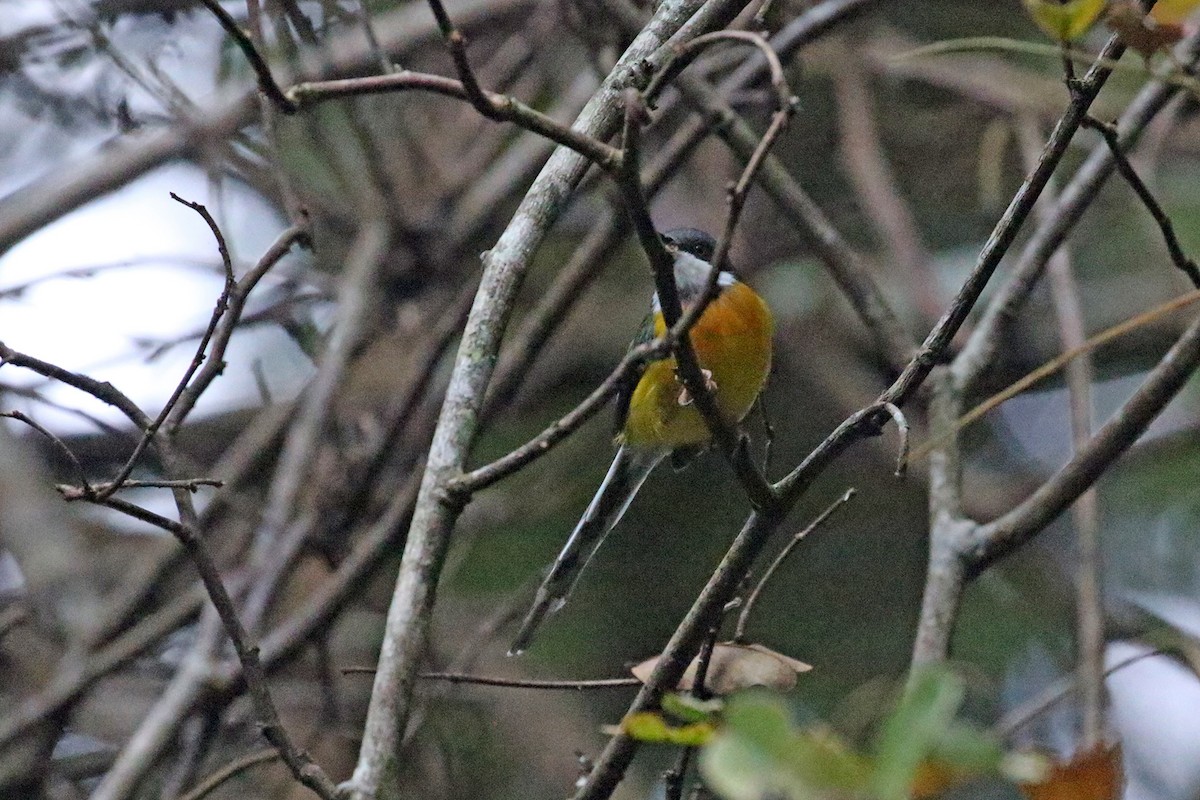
(691, 273)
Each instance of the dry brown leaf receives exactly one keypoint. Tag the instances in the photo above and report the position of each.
(1094, 775)
(734, 667)
(1142, 32)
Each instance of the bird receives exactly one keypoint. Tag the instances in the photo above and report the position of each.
(656, 417)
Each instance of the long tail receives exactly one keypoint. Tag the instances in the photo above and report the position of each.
(626, 475)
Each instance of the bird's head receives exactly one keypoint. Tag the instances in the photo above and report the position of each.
(691, 241)
(692, 250)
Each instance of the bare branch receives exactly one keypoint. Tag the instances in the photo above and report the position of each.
(103, 391)
(541, 444)
(503, 108)
(266, 81)
(1089, 602)
(1179, 258)
(1000, 537)
(518, 683)
(979, 352)
(230, 770)
(739, 634)
(221, 307)
(86, 489)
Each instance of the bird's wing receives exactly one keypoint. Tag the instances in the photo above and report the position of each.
(626, 475)
(625, 392)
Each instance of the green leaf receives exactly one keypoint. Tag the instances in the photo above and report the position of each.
(1065, 22)
(913, 730)
(969, 749)
(757, 753)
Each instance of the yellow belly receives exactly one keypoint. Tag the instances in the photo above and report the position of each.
(732, 339)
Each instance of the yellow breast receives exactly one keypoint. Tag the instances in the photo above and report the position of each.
(732, 339)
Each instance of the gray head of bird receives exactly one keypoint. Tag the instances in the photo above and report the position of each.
(692, 250)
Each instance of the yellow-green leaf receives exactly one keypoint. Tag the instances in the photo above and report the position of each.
(1173, 12)
(1065, 22)
(651, 727)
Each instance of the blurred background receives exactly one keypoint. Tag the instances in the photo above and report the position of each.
(913, 159)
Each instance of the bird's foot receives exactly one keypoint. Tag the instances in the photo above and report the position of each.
(685, 397)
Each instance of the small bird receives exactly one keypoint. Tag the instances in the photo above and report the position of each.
(655, 413)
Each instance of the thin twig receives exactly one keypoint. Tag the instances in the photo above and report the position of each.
(230, 770)
(1056, 692)
(1089, 608)
(214, 364)
(85, 488)
(689, 52)
(222, 306)
(266, 81)
(103, 391)
(86, 492)
(739, 633)
(541, 444)
(513, 683)
(504, 108)
(1179, 258)
(902, 428)
(303, 768)
(458, 51)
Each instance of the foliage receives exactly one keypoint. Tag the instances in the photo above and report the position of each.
(751, 749)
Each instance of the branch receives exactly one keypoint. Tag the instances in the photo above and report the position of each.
(214, 364)
(996, 539)
(105, 392)
(458, 51)
(86, 488)
(303, 768)
(222, 306)
(1179, 258)
(739, 634)
(502, 107)
(981, 348)
(482, 477)
(756, 531)
(518, 683)
(266, 81)
(434, 516)
(230, 770)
